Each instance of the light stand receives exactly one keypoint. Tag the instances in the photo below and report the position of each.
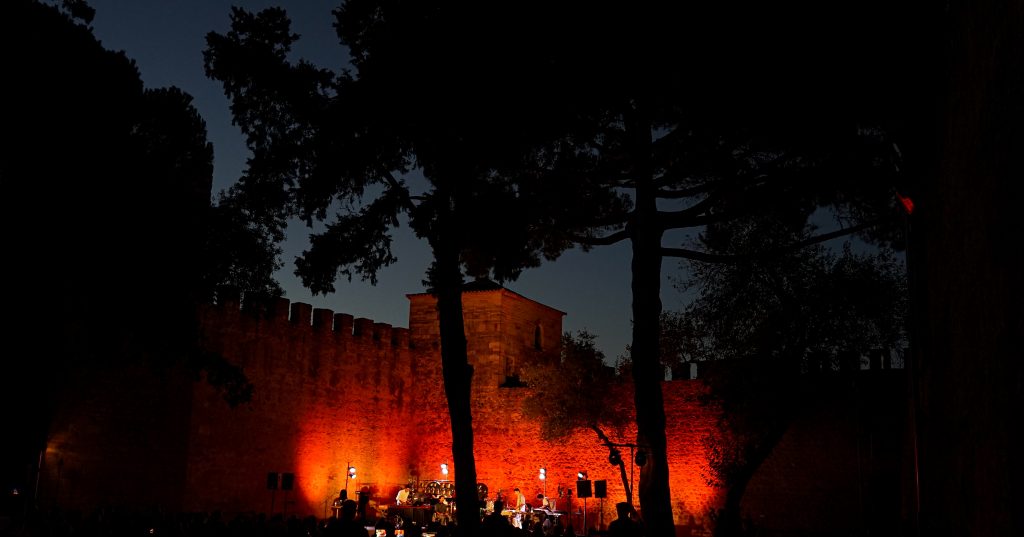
(543, 476)
(349, 474)
(583, 476)
(584, 515)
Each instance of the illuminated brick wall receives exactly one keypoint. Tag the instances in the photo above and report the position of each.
(333, 390)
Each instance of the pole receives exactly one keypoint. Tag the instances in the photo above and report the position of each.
(584, 516)
(632, 491)
(39, 472)
(347, 473)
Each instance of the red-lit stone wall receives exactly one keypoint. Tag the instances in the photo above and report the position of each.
(118, 436)
(334, 391)
(840, 465)
(331, 390)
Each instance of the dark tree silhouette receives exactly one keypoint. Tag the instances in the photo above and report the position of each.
(571, 395)
(777, 322)
(106, 202)
(965, 261)
(428, 94)
(706, 116)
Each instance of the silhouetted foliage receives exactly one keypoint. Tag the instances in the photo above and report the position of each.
(428, 94)
(705, 115)
(566, 395)
(106, 199)
(814, 301)
(723, 114)
(572, 395)
(766, 327)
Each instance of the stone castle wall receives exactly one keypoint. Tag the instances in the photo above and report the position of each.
(332, 391)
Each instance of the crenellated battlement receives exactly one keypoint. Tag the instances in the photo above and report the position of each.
(330, 390)
(302, 318)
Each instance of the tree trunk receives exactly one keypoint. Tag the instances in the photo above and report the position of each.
(458, 376)
(655, 500)
(730, 519)
(967, 261)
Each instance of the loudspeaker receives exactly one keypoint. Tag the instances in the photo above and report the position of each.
(272, 480)
(287, 481)
(600, 488)
(583, 488)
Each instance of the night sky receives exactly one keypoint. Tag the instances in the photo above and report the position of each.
(166, 39)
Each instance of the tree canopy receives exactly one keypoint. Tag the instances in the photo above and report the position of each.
(705, 117)
(767, 329)
(720, 115)
(427, 93)
(107, 207)
(572, 395)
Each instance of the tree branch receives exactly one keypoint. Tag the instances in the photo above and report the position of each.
(706, 257)
(618, 236)
(394, 183)
(687, 217)
(684, 193)
(613, 220)
(669, 178)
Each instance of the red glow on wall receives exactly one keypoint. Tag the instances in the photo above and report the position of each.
(509, 455)
(327, 399)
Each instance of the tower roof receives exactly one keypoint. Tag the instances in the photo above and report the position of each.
(485, 285)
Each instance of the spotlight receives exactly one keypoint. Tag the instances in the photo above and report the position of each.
(543, 474)
(444, 468)
(581, 475)
(615, 458)
(351, 472)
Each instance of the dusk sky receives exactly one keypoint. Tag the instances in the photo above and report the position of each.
(167, 38)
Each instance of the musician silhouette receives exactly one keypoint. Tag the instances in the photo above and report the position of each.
(495, 523)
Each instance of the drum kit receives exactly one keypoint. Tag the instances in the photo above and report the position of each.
(439, 493)
(519, 517)
(433, 492)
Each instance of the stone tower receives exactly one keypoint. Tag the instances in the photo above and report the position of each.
(505, 331)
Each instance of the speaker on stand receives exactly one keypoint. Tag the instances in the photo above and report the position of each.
(583, 489)
(601, 492)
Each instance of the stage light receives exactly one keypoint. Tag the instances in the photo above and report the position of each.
(351, 472)
(543, 474)
(641, 458)
(581, 475)
(444, 468)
